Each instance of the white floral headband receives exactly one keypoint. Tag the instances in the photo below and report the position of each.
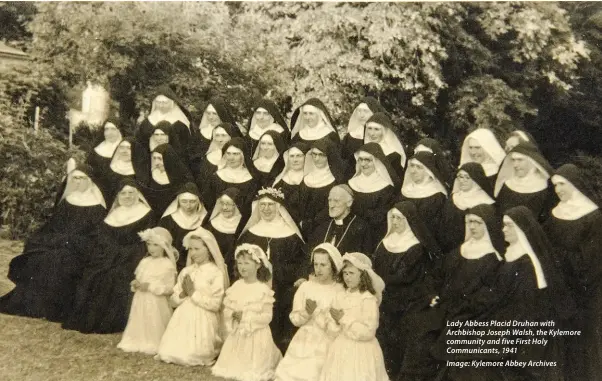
(161, 237)
(274, 192)
(257, 254)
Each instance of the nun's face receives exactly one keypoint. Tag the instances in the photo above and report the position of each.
(511, 142)
(157, 161)
(366, 163)
(220, 137)
(263, 117)
(268, 209)
(563, 189)
(311, 117)
(363, 113)
(521, 165)
(212, 116)
(339, 203)
(296, 160)
(81, 181)
(111, 133)
(267, 148)
(124, 151)
(160, 137)
(509, 231)
(188, 205)
(475, 150)
(228, 206)
(163, 104)
(476, 226)
(319, 158)
(198, 252)
(417, 172)
(127, 196)
(375, 132)
(234, 158)
(464, 181)
(399, 223)
(322, 267)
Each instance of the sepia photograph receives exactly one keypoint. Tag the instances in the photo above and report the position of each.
(300, 191)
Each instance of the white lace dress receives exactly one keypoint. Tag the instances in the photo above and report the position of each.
(150, 311)
(355, 354)
(192, 336)
(306, 353)
(249, 352)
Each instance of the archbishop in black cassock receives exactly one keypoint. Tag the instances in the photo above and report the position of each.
(344, 230)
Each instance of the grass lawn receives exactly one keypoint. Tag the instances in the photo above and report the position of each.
(36, 350)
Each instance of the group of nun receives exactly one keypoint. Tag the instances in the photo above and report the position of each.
(501, 235)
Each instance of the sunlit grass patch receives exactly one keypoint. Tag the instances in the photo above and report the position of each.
(37, 350)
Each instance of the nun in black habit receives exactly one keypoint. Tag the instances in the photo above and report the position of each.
(272, 228)
(443, 164)
(324, 169)
(425, 187)
(100, 156)
(379, 129)
(216, 111)
(266, 117)
(354, 138)
(523, 179)
(289, 180)
(45, 274)
(103, 296)
(374, 185)
(233, 172)
(226, 223)
(128, 161)
(268, 159)
(401, 260)
(528, 288)
(168, 174)
(312, 122)
(470, 189)
(481, 146)
(221, 135)
(519, 136)
(166, 107)
(466, 291)
(183, 215)
(575, 231)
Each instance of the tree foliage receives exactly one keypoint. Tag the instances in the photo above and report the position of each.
(439, 68)
(133, 47)
(465, 65)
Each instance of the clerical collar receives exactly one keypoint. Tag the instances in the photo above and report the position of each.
(342, 221)
(335, 240)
